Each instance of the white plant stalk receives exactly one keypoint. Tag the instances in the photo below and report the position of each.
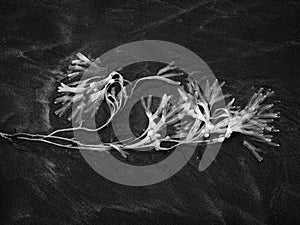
(194, 117)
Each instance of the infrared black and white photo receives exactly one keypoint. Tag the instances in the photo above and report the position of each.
(149, 112)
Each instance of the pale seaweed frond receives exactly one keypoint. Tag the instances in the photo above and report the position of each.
(255, 118)
(85, 65)
(195, 116)
(87, 95)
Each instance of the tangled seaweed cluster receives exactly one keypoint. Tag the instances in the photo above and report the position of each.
(194, 117)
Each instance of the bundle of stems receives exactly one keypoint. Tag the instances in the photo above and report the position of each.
(195, 118)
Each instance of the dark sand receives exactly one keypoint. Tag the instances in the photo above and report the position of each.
(247, 44)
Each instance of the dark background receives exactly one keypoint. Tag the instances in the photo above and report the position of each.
(248, 44)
